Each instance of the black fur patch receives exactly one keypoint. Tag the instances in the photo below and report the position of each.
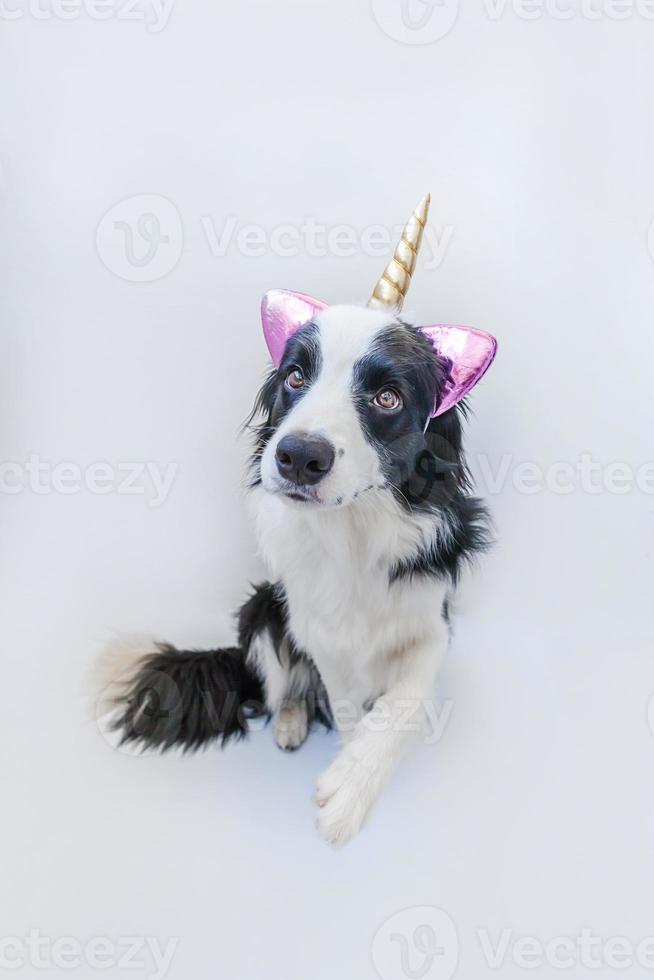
(421, 471)
(400, 357)
(424, 468)
(265, 609)
(468, 534)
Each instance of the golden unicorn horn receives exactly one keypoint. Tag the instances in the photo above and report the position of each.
(396, 278)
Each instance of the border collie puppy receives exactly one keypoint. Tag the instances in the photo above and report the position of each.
(364, 516)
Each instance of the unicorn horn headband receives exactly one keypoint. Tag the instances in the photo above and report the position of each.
(469, 352)
(393, 284)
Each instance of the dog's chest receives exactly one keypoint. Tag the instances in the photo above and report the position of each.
(343, 610)
(345, 618)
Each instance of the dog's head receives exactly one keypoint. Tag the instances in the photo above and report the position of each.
(354, 400)
(348, 406)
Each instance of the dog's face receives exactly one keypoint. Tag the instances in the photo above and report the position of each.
(348, 407)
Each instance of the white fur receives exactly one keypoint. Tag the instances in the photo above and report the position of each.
(372, 642)
(116, 667)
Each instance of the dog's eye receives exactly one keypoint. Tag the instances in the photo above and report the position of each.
(295, 379)
(387, 398)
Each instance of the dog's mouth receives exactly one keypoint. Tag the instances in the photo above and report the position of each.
(292, 491)
(301, 497)
(303, 494)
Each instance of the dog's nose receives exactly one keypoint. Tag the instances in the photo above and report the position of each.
(304, 459)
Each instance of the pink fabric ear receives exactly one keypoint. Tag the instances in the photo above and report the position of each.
(470, 353)
(283, 312)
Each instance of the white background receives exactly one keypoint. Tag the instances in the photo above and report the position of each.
(533, 813)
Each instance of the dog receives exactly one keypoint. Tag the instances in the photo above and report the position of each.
(365, 517)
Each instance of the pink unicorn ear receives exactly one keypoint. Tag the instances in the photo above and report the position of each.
(283, 312)
(470, 353)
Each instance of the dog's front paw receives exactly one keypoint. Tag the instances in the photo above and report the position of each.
(345, 794)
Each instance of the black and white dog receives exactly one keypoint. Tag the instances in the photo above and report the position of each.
(364, 516)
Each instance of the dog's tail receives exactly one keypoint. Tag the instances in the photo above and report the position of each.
(163, 698)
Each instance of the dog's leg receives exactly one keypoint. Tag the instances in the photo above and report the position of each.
(292, 688)
(347, 790)
(284, 692)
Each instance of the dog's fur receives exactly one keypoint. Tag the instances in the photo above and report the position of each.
(353, 626)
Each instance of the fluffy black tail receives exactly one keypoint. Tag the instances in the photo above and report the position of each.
(188, 699)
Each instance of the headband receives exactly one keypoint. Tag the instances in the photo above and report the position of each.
(469, 352)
